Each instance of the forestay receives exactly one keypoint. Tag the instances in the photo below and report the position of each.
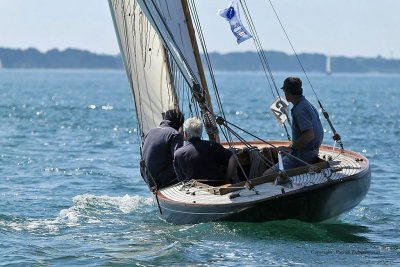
(146, 39)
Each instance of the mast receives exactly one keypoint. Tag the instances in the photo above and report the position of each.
(156, 39)
(192, 35)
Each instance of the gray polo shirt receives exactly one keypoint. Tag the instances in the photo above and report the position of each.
(304, 117)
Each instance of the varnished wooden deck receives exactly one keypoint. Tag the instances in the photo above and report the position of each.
(347, 164)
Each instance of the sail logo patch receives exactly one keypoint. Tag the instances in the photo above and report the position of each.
(231, 14)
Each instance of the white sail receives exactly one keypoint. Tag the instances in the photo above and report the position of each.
(142, 44)
(145, 63)
(169, 20)
(328, 65)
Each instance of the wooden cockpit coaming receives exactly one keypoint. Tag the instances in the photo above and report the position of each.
(347, 165)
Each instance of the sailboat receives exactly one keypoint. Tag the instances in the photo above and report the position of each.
(161, 56)
(328, 69)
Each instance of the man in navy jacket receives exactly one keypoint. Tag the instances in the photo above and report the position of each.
(202, 159)
(158, 150)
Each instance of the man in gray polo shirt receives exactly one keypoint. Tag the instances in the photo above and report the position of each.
(307, 131)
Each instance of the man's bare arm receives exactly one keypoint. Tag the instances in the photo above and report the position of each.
(231, 170)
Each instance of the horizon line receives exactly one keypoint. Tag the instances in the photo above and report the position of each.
(216, 52)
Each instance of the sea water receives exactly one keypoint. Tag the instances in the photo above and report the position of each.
(71, 192)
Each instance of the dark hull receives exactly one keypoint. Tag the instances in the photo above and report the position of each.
(311, 204)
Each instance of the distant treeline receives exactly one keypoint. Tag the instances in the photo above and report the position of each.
(55, 59)
(278, 61)
(238, 61)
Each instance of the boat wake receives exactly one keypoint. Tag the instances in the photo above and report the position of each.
(87, 209)
(90, 208)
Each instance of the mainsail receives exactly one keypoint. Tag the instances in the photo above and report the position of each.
(150, 35)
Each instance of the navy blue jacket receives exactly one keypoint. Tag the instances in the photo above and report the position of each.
(158, 150)
(201, 160)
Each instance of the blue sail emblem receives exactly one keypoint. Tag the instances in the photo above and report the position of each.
(230, 13)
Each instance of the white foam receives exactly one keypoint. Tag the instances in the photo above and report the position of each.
(126, 203)
(88, 209)
(69, 215)
(108, 107)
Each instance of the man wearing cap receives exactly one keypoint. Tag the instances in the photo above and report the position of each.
(307, 131)
(158, 150)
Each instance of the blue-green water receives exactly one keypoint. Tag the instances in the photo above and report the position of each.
(71, 193)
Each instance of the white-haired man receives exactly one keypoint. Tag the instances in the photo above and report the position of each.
(201, 159)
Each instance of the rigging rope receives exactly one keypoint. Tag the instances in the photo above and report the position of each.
(248, 145)
(187, 72)
(260, 52)
(248, 182)
(336, 136)
(220, 120)
(197, 24)
(263, 57)
(179, 52)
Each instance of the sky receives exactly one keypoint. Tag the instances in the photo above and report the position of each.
(367, 28)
